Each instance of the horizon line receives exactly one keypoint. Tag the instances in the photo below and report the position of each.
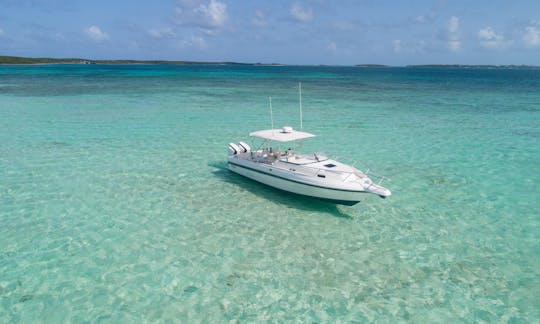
(24, 60)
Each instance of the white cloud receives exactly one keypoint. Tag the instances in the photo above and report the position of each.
(259, 19)
(408, 47)
(193, 42)
(341, 50)
(424, 19)
(453, 24)
(57, 37)
(332, 47)
(490, 39)
(2, 33)
(301, 14)
(213, 14)
(95, 34)
(161, 32)
(216, 12)
(396, 45)
(487, 34)
(421, 19)
(198, 41)
(454, 43)
(531, 36)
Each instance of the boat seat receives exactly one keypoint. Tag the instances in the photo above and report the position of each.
(233, 149)
(244, 147)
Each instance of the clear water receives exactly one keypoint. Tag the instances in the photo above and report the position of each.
(115, 204)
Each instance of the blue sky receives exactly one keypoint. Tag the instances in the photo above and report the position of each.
(292, 32)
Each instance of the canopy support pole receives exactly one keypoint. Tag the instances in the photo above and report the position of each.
(271, 115)
(300, 100)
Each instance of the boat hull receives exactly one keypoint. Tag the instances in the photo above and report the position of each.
(334, 195)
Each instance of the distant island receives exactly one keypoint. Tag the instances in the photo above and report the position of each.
(465, 66)
(453, 66)
(6, 60)
(372, 65)
(47, 60)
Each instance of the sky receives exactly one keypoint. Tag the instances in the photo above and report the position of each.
(339, 32)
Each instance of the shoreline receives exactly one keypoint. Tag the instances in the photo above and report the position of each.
(18, 60)
(21, 61)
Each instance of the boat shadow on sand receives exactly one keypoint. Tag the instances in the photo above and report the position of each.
(289, 199)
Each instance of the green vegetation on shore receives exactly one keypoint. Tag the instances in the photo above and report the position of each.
(36, 60)
(47, 60)
(372, 65)
(462, 66)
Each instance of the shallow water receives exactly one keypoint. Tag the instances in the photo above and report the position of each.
(115, 204)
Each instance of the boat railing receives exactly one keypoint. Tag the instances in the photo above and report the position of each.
(271, 155)
(379, 178)
(321, 171)
(264, 156)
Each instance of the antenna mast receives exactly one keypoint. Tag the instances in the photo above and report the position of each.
(300, 100)
(271, 116)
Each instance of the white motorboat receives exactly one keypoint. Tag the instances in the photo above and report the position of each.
(312, 175)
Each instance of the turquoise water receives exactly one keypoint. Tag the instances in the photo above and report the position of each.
(115, 205)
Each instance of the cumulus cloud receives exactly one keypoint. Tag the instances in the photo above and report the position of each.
(57, 37)
(423, 19)
(408, 47)
(396, 45)
(161, 32)
(454, 43)
(215, 12)
(301, 14)
(339, 49)
(332, 47)
(94, 33)
(453, 25)
(531, 35)
(259, 19)
(197, 42)
(491, 39)
(207, 15)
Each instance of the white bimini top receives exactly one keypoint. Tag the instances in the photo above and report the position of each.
(285, 134)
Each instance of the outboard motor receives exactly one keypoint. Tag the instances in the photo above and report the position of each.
(244, 147)
(233, 149)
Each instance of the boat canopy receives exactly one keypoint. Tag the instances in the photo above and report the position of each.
(285, 134)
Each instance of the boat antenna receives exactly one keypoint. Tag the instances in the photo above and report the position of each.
(271, 116)
(300, 100)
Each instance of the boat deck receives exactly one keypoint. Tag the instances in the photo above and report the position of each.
(289, 161)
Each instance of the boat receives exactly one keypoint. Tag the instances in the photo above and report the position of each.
(314, 175)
